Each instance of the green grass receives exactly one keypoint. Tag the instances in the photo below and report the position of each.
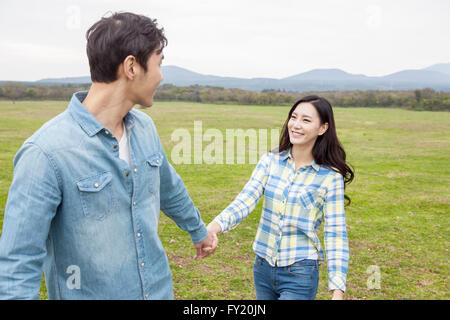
(398, 219)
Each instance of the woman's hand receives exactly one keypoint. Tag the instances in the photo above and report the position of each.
(209, 245)
(338, 295)
(214, 227)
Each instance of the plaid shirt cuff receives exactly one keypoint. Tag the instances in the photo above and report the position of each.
(336, 281)
(220, 223)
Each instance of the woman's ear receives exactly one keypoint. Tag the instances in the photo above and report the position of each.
(323, 128)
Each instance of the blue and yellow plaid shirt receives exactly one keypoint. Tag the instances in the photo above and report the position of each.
(295, 203)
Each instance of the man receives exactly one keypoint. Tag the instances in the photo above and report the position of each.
(88, 186)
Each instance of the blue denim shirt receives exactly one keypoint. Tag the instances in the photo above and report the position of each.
(78, 212)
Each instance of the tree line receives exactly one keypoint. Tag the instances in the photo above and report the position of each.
(419, 99)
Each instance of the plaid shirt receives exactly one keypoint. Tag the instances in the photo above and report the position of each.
(295, 203)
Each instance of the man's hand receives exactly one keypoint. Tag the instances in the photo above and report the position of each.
(207, 246)
(338, 295)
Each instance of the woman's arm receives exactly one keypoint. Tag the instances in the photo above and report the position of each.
(247, 199)
(335, 237)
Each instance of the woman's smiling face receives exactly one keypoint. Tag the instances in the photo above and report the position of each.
(304, 125)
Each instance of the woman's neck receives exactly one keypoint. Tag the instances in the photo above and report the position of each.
(301, 156)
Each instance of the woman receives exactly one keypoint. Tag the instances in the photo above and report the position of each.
(303, 183)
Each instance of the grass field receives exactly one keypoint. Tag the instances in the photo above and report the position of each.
(398, 219)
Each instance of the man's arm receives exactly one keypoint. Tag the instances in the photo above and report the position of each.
(175, 201)
(33, 198)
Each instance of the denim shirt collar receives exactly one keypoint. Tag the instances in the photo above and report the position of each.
(86, 120)
(287, 154)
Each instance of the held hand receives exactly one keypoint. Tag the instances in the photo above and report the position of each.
(207, 246)
(338, 295)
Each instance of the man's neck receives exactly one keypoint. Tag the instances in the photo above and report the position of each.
(109, 105)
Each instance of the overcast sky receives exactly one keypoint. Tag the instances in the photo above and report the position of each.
(240, 38)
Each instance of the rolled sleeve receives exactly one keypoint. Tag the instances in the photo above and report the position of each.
(199, 235)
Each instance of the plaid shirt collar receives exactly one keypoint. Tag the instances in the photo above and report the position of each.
(287, 154)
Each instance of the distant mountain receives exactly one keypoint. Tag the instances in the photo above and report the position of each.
(328, 74)
(436, 77)
(79, 80)
(315, 80)
(417, 79)
(183, 77)
(440, 67)
(416, 76)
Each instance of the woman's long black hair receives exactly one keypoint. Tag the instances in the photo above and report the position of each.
(327, 149)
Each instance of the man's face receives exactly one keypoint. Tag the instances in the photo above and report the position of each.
(145, 83)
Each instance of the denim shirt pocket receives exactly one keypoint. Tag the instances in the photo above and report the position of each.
(96, 195)
(152, 178)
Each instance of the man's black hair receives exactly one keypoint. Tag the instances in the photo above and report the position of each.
(112, 39)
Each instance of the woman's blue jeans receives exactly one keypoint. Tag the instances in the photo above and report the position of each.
(299, 281)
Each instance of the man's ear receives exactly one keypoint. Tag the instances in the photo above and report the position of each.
(323, 128)
(129, 67)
